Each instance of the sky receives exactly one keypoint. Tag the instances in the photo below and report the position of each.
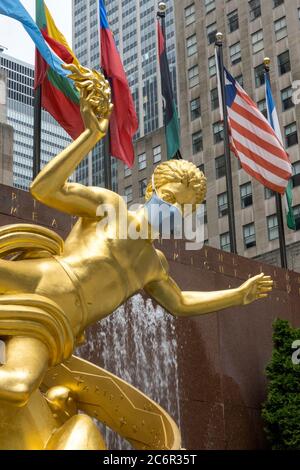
(17, 41)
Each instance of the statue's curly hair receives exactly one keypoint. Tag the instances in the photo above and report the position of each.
(179, 171)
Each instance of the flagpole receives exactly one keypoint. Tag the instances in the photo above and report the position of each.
(231, 217)
(107, 162)
(279, 210)
(106, 140)
(37, 131)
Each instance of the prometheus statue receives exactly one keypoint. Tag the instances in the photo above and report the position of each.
(51, 290)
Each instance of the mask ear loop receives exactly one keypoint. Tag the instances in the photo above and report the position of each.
(153, 184)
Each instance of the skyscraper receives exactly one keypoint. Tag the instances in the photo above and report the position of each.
(133, 23)
(252, 30)
(6, 137)
(20, 79)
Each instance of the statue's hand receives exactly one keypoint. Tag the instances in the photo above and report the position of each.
(257, 287)
(95, 97)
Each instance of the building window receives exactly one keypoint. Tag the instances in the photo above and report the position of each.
(273, 230)
(291, 134)
(296, 174)
(280, 27)
(287, 98)
(269, 193)
(195, 109)
(127, 171)
(212, 70)
(190, 14)
(255, 9)
(191, 45)
(257, 41)
(143, 187)
(246, 195)
(249, 236)
(240, 80)
(197, 142)
(193, 75)
(296, 211)
(157, 154)
(218, 130)
(276, 3)
(142, 161)
(220, 167)
(284, 64)
(210, 5)
(201, 168)
(214, 99)
(211, 32)
(128, 194)
(223, 205)
(262, 106)
(235, 53)
(259, 73)
(225, 242)
(233, 21)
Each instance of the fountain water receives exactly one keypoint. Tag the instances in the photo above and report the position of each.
(138, 343)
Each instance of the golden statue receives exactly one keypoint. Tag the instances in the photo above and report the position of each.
(52, 290)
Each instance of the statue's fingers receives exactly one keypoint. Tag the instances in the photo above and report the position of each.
(254, 279)
(266, 283)
(84, 95)
(262, 296)
(265, 289)
(72, 67)
(86, 84)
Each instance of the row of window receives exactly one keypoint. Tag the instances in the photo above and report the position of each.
(142, 160)
(220, 172)
(280, 30)
(233, 21)
(283, 62)
(286, 102)
(290, 133)
(249, 233)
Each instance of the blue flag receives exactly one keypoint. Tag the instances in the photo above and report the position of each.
(274, 121)
(15, 9)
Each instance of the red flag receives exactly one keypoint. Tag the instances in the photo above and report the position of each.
(123, 122)
(59, 97)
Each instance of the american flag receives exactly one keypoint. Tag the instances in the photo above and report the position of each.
(253, 140)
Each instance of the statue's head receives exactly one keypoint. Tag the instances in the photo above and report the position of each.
(178, 182)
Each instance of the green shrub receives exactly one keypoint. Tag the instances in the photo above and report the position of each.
(281, 411)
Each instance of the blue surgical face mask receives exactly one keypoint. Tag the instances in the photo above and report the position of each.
(164, 218)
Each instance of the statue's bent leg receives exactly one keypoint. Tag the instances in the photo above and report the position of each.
(78, 433)
(26, 363)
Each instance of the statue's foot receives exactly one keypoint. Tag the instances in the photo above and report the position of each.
(78, 433)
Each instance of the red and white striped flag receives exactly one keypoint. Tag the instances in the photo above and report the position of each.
(253, 140)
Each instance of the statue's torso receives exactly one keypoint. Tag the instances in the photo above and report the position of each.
(109, 270)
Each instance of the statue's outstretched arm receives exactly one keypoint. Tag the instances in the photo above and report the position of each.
(51, 186)
(189, 304)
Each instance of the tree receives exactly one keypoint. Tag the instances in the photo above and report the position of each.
(281, 411)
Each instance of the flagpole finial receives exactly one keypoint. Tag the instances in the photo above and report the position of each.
(267, 62)
(162, 8)
(219, 38)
